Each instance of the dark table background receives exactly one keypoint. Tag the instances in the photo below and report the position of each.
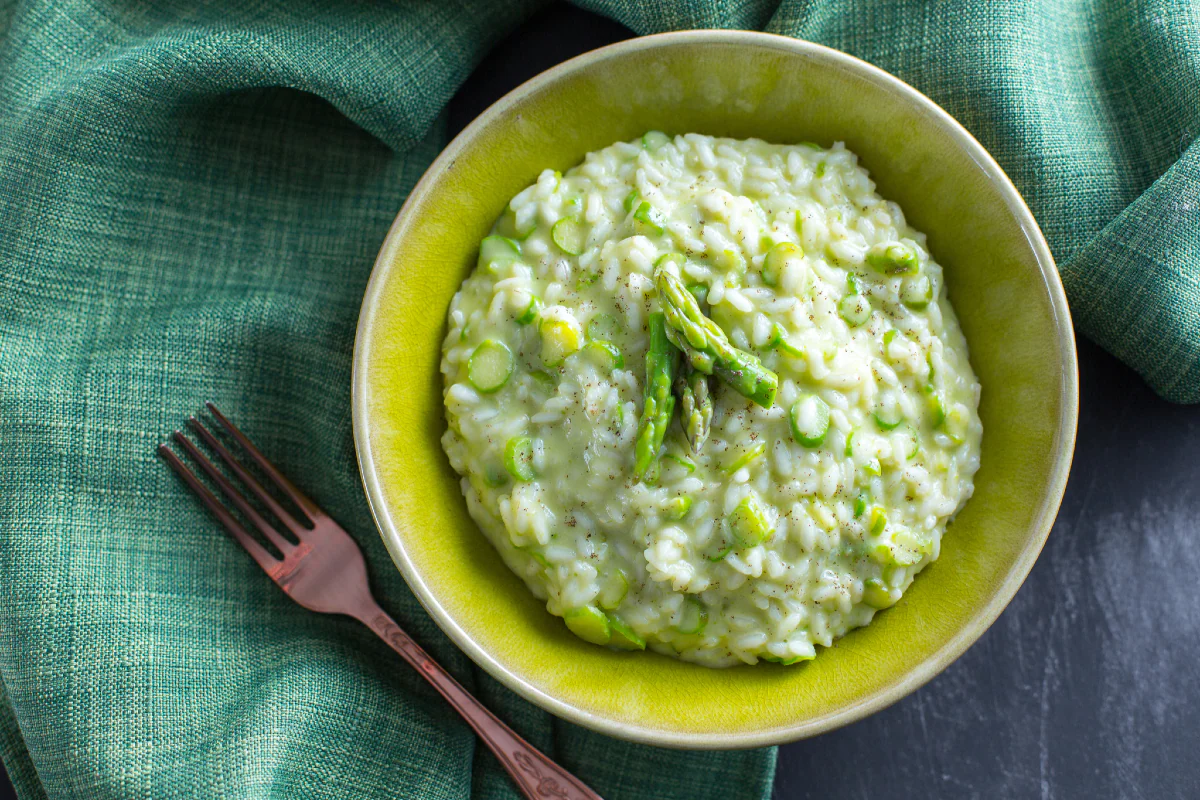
(1088, 684)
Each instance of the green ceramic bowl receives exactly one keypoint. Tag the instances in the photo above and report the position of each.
(1002, 282)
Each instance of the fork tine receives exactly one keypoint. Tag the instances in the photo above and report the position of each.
(234, 495)
(279, 511)
(283, 484)
(265, 560)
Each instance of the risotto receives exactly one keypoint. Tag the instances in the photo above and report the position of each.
(709, 397)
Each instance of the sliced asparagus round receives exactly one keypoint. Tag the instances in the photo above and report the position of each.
(498, 250)
(854, 309)
(777, 260)
(570, 234)
(677, 508)
(530, 314)
(589, 623)
(603, 327)
(652, 140)
(605, 355)
(560, 338)
(518, 458)
(613, 588)
(893, 258)
(623, 636)
(647, 220)
(746, 457)
(888, 415)
(490, 366)
(876, 595)
(916, 293)
(809, 419)
(749, 523)
(694, 618)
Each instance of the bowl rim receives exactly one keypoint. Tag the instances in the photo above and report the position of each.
(934, 663)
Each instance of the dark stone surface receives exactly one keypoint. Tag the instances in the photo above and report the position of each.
(1088, 684)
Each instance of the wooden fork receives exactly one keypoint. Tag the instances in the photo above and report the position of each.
(324, 571)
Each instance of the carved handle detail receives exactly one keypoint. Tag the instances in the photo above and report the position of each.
(535, 775)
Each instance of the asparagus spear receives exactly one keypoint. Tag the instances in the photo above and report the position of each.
(695, 405)
(706, 345)
(660, 403)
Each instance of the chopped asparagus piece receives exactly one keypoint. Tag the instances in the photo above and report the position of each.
(893, 258)
(777, 260)
(507, 226)
(530, 314)
(849, 451)
(902, 550)
(495, 477)
(809, 419)
(937, 409)
(560, 338)
(877, 521)
(624, 636)
(647, 220)
(749, 523)
(694, 617)
(888, 416)
(537, 555)
(543, 381)
(659, 402)
(787, 662)
(752, 454)
(613, 588)
(570, 234)
(914, 443)
(876, 595)
(854, 309)
(872, 467)
(589, 623)
(730, 261)
(518, 458)
(699, 291)
(706, 345)
(957, 423)
(678, 508)
(652, 140)
(490, 366)
(688, 465)
(605, 355)
(721, 549)
(779, 340)
(916, 293)
(603, 327)
(630, 201)
(498, 250)
(695, 405)
(860, 504)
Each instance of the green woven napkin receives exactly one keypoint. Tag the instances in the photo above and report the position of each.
(191, 197)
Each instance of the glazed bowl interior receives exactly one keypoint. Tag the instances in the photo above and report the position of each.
(1001, 281)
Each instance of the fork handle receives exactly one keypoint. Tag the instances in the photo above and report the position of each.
(536, 776)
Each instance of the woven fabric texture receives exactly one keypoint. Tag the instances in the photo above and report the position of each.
(191, 196)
